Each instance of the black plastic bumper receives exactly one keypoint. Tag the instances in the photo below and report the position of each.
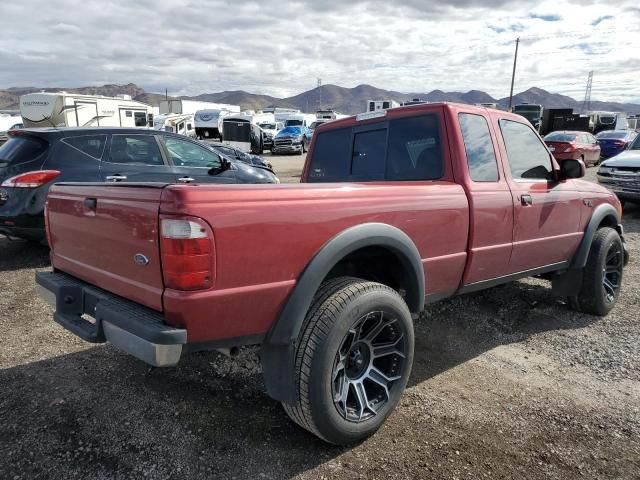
(134, 328)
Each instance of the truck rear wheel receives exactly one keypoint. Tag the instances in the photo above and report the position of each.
(602, 277)
(353, 360)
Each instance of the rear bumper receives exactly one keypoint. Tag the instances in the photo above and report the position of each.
(133, 328)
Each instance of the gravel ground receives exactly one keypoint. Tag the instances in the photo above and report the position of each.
(507, 383)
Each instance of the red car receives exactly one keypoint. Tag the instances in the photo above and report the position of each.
(396, 209)
(575, 145)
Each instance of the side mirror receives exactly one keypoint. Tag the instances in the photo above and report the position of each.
(572, 169)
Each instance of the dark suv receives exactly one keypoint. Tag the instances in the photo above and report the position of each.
(34, 159)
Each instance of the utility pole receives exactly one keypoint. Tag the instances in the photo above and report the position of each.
(319, 94)
(513, 75)
(586, 105)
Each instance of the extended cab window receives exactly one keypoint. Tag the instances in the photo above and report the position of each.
(135, 149)
(481, 156)
(402, 149)
(528, 157)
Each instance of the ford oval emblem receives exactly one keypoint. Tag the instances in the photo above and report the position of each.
(140, 259)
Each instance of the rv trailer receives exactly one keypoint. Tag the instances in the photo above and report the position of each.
(64, 109)
(184, 107)
(180, 124)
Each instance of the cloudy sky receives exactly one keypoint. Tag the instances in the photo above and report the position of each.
(281, 48)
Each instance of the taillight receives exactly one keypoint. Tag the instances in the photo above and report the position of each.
(570, 148)
(619, 143)
(186, 245)
(31, 179)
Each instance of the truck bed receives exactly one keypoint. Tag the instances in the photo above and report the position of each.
(264, 237)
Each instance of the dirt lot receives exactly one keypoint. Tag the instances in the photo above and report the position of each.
(507, 383)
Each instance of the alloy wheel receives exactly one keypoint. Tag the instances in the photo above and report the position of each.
(612, 271)
(367, 366)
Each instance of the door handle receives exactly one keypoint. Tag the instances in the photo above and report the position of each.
(186, 180)
(90, 204)
(115, 178)
(526, 199)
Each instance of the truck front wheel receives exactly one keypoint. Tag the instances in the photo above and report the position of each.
(353, 360)
(602, 276)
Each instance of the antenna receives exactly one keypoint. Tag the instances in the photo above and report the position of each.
(586, 104)
(319, 94)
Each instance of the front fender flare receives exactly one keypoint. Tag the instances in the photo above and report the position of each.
(279, 347)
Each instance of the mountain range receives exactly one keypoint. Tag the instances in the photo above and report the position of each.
(341, 99)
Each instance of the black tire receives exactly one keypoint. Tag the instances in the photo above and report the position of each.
(304, 148)
(602, 276)
(340, 306)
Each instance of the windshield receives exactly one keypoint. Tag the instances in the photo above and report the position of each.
(560, 137)
(268, 126)
(316, 125)
(291, 123)
(636, 144)
(291, 131)
(611, 135)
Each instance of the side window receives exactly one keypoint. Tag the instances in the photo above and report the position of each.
(128, 113)
(179, 127)
(369, 153)
(331, 156)
(414, 151)
(140, 119)
(189, 126)
(481, 156)
(135, 149)
(89, 145)
(188, 154)
(528, 158)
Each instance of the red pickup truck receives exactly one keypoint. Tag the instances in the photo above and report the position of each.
(395, 209)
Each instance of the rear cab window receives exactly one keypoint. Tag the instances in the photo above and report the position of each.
(21, 149)
(402, 149)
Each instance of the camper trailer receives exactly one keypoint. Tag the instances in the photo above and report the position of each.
(72, 110)
(180, 124)
(329, 115)
(242, 132)
(377, 105)
(183, 107)
(209, 123)
(299, 120)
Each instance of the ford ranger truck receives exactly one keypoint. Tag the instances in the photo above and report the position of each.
(396, 209)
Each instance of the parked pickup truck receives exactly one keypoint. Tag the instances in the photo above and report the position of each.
(396, 208)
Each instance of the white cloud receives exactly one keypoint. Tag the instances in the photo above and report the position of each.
(280, 48)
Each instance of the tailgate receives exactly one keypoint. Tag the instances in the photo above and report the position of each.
(108, 236)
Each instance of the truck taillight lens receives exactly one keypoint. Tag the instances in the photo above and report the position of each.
(187, 251)
(31, 179)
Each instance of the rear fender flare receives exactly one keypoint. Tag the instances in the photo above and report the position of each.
(279, 347)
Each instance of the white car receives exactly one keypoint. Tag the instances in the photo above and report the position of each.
(270, 130)
(621, 173)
